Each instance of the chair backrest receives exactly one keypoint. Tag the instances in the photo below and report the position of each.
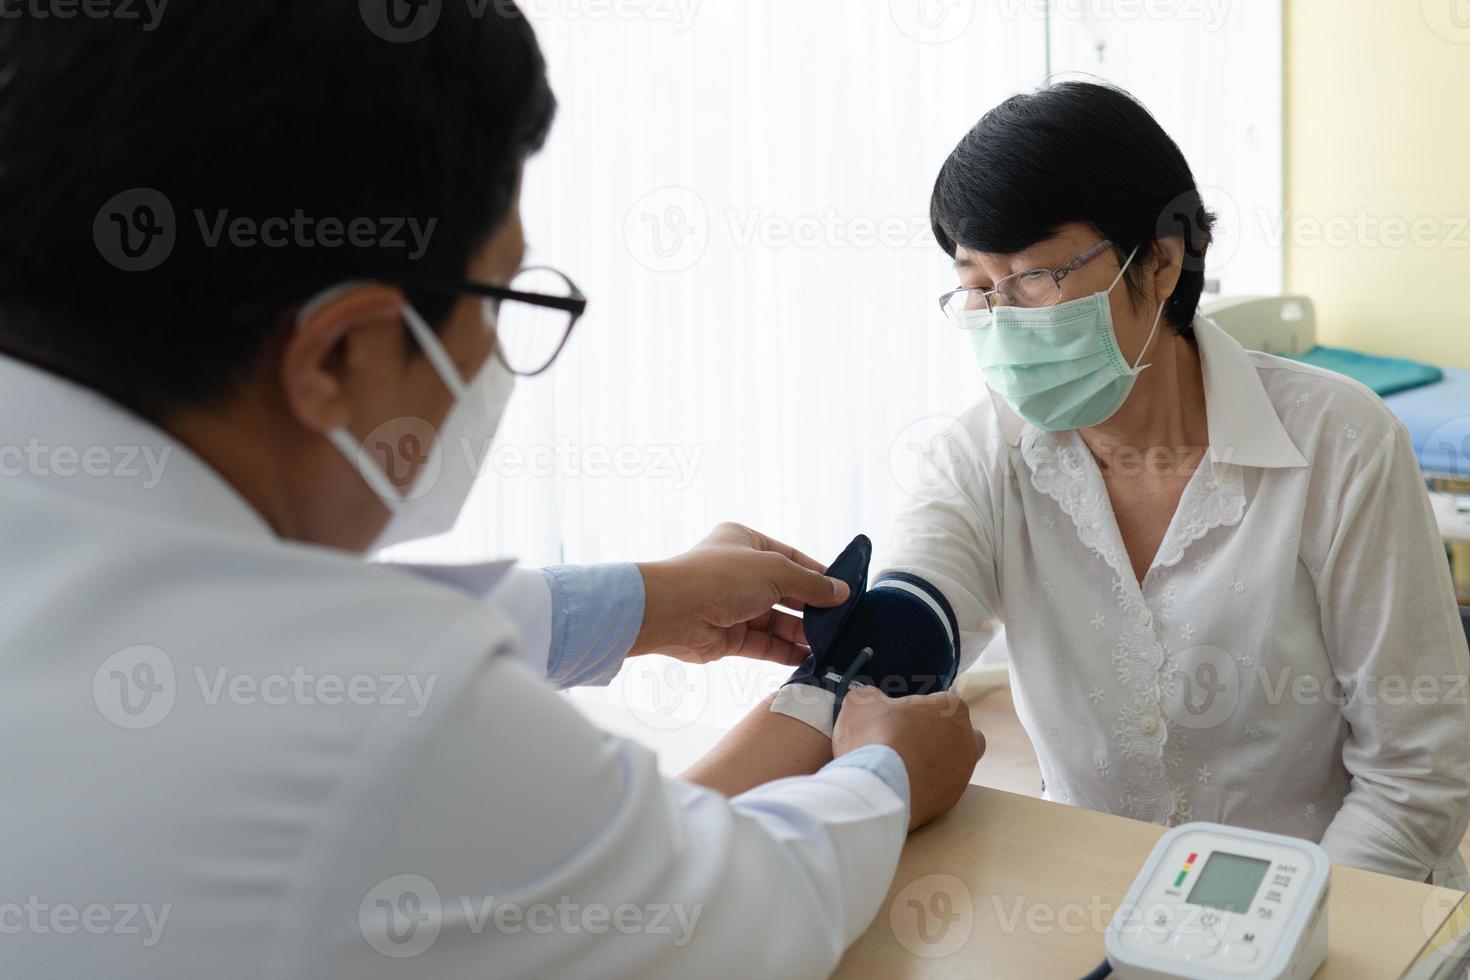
(1274, 324)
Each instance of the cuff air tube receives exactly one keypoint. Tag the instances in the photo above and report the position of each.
(900, 636)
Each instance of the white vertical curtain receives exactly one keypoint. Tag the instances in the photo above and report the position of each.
(1211, 73)
(741, 188)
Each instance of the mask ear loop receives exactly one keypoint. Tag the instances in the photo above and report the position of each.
(371, 474)
(435, 352)
(438, 358)
(341, 438)
(1138, 368)
(1119, 277)
(1159, 316)
(443, 366)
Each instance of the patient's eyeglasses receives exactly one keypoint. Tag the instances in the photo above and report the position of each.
(1029, 289)
(533, 315)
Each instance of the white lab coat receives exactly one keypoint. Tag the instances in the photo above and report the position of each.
(233, 756)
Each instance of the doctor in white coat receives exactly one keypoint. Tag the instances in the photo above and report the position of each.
(234, 748)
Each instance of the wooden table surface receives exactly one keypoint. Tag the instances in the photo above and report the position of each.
(1010, 886)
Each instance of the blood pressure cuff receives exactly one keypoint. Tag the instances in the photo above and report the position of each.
(900, 636)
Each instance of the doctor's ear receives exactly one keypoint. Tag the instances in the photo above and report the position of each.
(345, 347)
(1167, 266)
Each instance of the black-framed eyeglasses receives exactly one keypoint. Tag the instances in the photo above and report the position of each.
(533, 315)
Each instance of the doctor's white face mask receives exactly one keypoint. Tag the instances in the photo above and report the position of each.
(1059, 366)
(432, 504)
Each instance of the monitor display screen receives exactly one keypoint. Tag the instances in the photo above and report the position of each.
(1228, 882)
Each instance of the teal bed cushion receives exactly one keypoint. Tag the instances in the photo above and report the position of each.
(1385, 375)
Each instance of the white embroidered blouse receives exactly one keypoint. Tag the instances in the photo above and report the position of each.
(1292, 661)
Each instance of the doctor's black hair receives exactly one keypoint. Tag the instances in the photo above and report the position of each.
(373, 112)
(1075, 151)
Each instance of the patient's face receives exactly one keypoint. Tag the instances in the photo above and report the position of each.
(1132, 322)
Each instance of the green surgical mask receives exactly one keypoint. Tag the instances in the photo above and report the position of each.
(1058, 367)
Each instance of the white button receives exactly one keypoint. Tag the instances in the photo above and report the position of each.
(1149, 725)
(1242, 952)
(1196, 944)
(1145, 617)
(1159, 926)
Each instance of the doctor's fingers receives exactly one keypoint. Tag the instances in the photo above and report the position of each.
(800, 587)
(730, 532)
(792, 554)
(775, 636)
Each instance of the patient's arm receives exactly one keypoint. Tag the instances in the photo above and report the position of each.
(765, 746)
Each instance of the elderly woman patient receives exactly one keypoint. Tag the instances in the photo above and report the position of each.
(1219, 576)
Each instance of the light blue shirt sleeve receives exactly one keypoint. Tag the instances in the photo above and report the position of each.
(596, 612)
(881, 761)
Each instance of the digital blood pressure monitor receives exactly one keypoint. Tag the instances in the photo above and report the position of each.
(1223, 903)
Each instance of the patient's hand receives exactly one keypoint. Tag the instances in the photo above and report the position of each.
(930, 732)
(716, 599)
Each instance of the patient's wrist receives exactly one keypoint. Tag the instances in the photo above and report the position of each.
(763, 747)
(808, 703)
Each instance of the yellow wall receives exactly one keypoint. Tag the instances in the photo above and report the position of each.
(1377, 149)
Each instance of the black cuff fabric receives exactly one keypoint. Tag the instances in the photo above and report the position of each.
(901, 636)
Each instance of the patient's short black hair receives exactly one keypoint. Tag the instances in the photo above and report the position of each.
(243, 109)
(1075, 151)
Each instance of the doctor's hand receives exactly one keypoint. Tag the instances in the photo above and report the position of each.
(716, 600)
(930, 732)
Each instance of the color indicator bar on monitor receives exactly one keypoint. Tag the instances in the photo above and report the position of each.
(1185, 870)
